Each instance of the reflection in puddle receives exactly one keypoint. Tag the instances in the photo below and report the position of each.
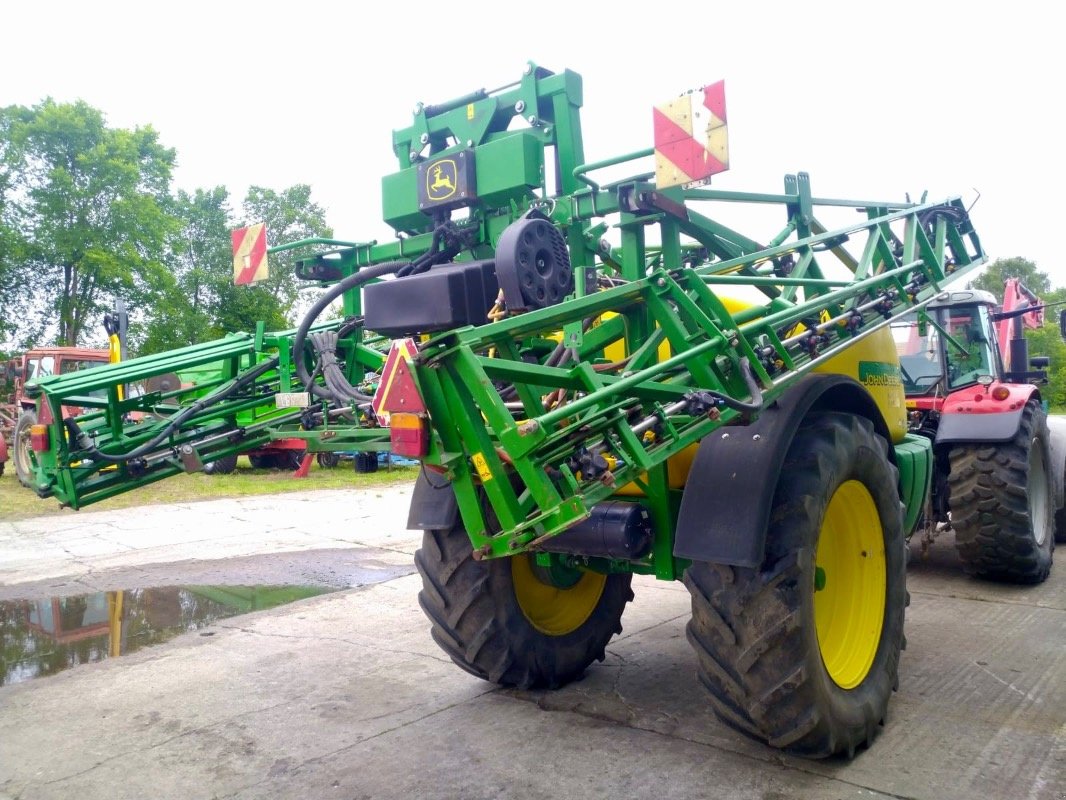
(42, 637)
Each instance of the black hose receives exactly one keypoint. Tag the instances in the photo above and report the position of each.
(85, 443)
(756, 403)
(331, 294)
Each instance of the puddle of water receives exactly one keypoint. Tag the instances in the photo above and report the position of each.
(42, 637)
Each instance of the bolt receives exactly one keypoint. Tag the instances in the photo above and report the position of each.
(520, 106)
(481, 552)
(756, 437)
(528, 70)
(532, 119)
(734, 342)
(187, 449)
(529, 427)
(418, 108)
(469, 142)
(661, 282)
(725, 435)
(714, 414)
(413, 155)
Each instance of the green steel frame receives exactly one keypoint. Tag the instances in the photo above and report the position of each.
(540, 464)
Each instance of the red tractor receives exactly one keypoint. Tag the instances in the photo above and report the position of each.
(17, 416)
(998, 480)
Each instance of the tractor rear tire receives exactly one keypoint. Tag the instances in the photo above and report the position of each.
(803, 651)
(499, 621)
(221, 466)
(20, 452)
(1001, 503)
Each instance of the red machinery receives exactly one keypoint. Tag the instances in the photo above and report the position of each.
(969, 384)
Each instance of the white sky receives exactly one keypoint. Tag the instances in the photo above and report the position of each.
(873, 99)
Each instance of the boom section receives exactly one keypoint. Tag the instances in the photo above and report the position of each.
(658, 357)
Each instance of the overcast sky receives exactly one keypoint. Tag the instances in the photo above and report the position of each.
(872, 99)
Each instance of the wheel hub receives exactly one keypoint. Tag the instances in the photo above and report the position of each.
(849, 606)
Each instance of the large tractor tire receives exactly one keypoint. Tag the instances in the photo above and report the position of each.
(803, 651)
(20, 452)
(1001, 503)
(512, 623)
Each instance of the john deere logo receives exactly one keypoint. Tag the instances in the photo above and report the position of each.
(441, 180)
(878, 373)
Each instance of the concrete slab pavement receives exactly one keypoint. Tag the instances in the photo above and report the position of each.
(96, 543)
(346, 696)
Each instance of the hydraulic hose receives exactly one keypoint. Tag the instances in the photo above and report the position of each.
(85, 443)
(331, 294)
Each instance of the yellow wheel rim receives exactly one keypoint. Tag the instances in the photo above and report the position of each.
(549, 609)
(849, 599)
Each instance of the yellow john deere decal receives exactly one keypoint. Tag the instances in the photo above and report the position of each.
(440, 180)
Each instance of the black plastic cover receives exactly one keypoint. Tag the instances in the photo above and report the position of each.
(445, 297)
(615, 529)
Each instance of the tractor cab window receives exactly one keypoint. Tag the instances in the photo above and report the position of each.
(967, 345)
(41, 368)
(919, 354)
(74, 365)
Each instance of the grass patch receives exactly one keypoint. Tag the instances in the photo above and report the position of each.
(18, 502)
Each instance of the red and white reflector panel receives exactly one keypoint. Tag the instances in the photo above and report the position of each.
(691, 140)
(397, 390)
(250, 254)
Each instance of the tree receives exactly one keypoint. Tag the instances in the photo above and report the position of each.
(89, 204)
(991, 280)
(1047, 341)
(14, 289)
(203, 303)
(199, 258)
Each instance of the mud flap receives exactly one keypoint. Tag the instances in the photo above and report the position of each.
(725, 509)
(433, 503)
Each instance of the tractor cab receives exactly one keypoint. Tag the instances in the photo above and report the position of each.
(949, 346)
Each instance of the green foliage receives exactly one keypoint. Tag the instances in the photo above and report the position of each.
(200, 259)
(991, 280)
(14, 285)
(1047, 341)
(202, 303)
(89, 205)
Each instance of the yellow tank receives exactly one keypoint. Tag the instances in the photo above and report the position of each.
(872, 362)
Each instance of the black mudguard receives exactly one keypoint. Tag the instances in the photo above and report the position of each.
(725, 508)
(433, 503)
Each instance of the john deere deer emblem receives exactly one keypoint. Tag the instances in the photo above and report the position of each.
(440, 180)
